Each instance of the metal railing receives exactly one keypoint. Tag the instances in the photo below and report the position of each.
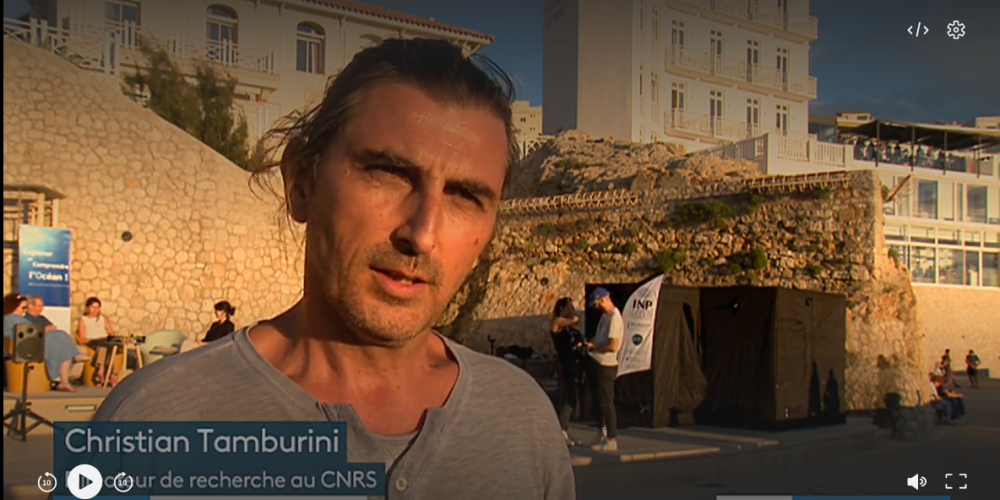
(735, 8)
(604, 200)
(803, 24)
(98, 45)
(94, 53)
(761, 12)
(703, 124)
(768, 14)
(528, 147)
(678, 56)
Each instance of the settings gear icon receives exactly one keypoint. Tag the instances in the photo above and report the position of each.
(956, 30)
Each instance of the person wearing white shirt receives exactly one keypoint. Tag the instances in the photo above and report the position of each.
(603, 366)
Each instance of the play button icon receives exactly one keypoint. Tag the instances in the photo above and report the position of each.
(84, 482)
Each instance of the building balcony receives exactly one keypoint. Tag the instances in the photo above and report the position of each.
(756, 15)
(107, 46)
(753, 77)
(701, 125)
(793, 154)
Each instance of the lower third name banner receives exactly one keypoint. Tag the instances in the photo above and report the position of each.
(215, 458)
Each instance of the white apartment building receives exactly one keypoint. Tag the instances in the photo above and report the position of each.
(695, 72)
(528, 121)
(282, 52)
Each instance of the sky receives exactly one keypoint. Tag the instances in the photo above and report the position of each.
(864, 59)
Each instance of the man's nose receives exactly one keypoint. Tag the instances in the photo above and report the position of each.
(418, 233)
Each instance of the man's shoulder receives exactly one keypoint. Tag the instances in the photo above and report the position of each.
(493, 376)
(187, 380)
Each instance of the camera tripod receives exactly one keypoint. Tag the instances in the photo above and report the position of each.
(22, 411)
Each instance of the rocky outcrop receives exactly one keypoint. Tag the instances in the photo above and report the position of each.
(575, 162)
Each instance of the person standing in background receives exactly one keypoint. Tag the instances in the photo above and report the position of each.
(566, 339)
(603, 367)
(972, 368)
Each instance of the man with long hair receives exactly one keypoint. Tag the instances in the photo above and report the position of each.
(396, 176)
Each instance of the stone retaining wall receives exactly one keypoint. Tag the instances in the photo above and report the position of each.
(198, 234)
(821, 235)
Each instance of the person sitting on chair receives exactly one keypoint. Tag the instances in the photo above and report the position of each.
(223, 324)
(93, 330)
(955, 407)
(60, 351)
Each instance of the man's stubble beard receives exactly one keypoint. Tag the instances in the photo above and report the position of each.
(367, 312)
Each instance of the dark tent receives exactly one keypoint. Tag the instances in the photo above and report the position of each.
(736, 356)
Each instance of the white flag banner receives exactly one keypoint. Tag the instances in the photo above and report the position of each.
(639, 316)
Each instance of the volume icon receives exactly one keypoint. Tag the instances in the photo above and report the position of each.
(916, 482)
(917, 32)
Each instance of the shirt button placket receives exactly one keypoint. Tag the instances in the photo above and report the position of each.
(401, 484)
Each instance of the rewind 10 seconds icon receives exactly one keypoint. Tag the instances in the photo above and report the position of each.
(918, 27)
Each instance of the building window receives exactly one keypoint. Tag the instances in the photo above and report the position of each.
(121, 12)
(642, 12)
(309, 48)
(993, 206)
(677, 33)
(972, 268)
(927, 199)
(976, 202)
(656, 23)
(951, 266)
(642, 134)
(991, 269)
(781, 118)
(715, 107)
(782, 65)
(718, 51)
(654, 138)
(654, 87)
(922, 264)
(640, 81)
(753, 117)
(222, 23)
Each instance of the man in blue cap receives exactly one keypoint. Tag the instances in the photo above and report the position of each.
(602, 367)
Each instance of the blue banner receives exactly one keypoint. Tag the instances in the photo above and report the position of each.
(43, 263)
(213, 459)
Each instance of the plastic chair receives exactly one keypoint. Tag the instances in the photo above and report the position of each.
(161, 338)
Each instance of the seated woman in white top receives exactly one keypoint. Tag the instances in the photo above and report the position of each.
(93, 330)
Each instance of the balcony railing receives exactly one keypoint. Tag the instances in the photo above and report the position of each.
(803, 25)
(768, 14)
(734, 69)
(95, 52)
(683, 57)
(761, 12)
(704, 125)
(98, 45)
(734, 8)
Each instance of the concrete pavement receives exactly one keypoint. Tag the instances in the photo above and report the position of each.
(972, 449)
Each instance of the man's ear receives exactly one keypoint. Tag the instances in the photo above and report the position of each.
(295, 177)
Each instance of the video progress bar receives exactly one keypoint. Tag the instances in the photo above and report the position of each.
(836, 497)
